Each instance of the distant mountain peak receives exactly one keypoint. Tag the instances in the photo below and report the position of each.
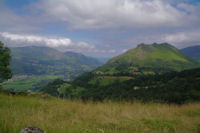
(141, 45)
(153, 44)
(193, 52)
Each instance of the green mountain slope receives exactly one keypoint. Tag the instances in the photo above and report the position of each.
(47, 61)
(148, 59)
(193, 52)
(140, 68)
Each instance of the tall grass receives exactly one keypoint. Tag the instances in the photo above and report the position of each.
(65, 116)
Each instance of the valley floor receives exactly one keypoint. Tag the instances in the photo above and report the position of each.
(65, 116)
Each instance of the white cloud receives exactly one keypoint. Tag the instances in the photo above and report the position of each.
(102, 51)
(97, 14)
(183, 39)
(112, 51)
(19, 39)
(124, 50)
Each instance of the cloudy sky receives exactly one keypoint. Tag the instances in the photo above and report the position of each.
(99, 28)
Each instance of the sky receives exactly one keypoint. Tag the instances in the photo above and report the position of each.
(99, 28)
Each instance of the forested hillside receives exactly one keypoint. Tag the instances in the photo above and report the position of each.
(171, 87)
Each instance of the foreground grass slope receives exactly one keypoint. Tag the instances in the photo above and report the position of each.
(64, 116)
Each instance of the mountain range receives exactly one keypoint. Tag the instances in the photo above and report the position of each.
(43, 65)
(155, 58)
(147, 72)
(33, 67)
(193, 52)
(35, 60)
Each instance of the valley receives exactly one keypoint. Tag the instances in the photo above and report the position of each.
(34, 67)
(34, 82)
(100, 66)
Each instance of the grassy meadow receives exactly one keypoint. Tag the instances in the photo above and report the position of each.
(106, 80)
(67, 116)
(31, 83)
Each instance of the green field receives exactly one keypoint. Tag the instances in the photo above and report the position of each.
(106, 80)
(30, 83)
(66, 116)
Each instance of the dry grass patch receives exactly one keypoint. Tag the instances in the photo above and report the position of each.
(66, 116)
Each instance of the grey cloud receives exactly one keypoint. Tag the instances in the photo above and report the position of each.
(179, 39)
(183, 39)
(96, 14)
(115, 17)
